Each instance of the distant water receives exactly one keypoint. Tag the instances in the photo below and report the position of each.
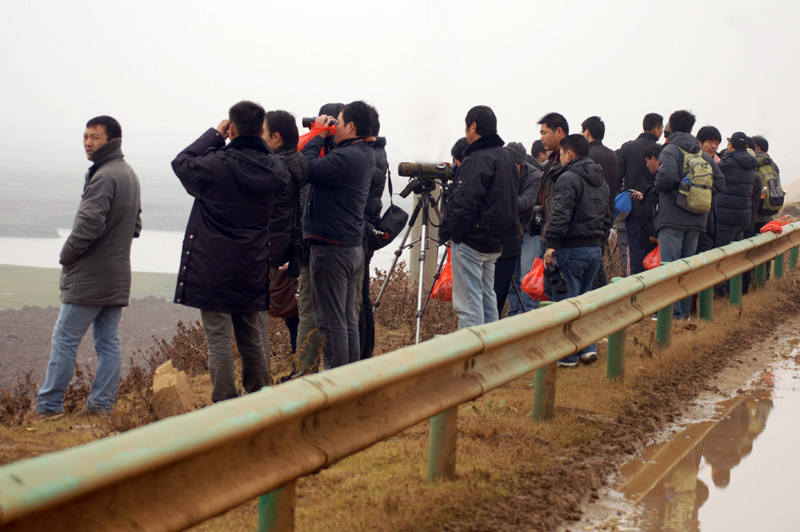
(153, 251)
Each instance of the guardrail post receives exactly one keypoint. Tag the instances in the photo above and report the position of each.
(442, 446)
(736, 290)
(779, 263)
(664, 326)
(793, 258)
(276, 509)
(615, 365)
(761, 274)
(544, 393)
(707, 304)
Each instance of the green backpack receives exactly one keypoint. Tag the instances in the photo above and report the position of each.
(697, 180)
(772, 194)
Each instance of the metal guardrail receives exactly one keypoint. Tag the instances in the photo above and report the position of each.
(177, 472)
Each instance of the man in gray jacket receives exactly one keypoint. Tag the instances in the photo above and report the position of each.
(96, 272)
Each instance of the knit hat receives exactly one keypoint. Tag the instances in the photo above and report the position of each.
(517, 152)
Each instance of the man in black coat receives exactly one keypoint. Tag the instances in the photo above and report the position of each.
(333, 223)
(225, 259)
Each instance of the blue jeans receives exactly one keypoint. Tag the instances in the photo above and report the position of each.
(531, 248)
(474, 300)
(677, 244)
(335, 285)
(579, 267)
(72, 324)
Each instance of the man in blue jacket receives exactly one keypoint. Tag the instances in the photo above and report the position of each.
(333, 223)
(481, 211)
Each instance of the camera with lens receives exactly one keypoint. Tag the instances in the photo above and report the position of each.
(538, 214)
(424, 176)
(308, 121)
(555, 278)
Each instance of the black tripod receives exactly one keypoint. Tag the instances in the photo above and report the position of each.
(424, 205)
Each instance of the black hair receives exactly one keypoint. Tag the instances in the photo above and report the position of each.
(375, 128)
(283, 122)
(761, 142)
(537, 147)
(653, 150)
(112, 127)
(331, 109)
(708, 133)
(360, 114)
(248, 117)
(484, 119)
(554, 121)
(751, 144)
(681, 122)
(596, 127)
(652, 121)
(457, 151)
(577, 144)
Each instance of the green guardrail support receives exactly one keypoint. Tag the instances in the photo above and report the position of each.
(793, 258)
(779, 264)
(442, 446)
(544, 387)
(276, 509)
(664, 326)
(615, 364)
(761, 274)
(736, 291)
(706, 300)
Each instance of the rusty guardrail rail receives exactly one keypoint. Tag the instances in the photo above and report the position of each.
(177, 472)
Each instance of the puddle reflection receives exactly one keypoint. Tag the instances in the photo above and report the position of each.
(670, 483)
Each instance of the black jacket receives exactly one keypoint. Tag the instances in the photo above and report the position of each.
(528, 187)
(337, 200)
(288, 210)
(630, 167)
(733, 203)
(225, 256)
(580, 210)
(372, 215)
(482, 208)
(607, 160)
(667, 179)
(552, 169)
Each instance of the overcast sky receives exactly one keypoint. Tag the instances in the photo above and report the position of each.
(167, 70)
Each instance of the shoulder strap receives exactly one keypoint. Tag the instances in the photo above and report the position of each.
(389, 179)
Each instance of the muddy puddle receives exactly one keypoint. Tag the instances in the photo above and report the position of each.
(736, 471)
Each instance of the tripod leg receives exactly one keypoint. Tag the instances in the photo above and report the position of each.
(514, 283)
(397, 254)
(435, 278)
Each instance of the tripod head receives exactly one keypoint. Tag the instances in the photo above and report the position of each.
(424, 177)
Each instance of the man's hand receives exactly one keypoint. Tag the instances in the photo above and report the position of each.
(654, 240)
(324, 121)
(223, 127)
(550, 256)
(635, 194)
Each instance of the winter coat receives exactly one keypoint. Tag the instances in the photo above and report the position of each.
(733, 204)
(482, 209)
(544, 197)
(334, 213)
(225, 256)
(667, 179)
(630, 164)
(528, 187)
(287, 212)
(96, 256)
(607, 160)
(580, 211)
(372, 215)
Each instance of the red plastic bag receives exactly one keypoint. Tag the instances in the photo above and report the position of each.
(653, 259)
(313, 132)
(776, 226)
(443, 289)
(533, 282)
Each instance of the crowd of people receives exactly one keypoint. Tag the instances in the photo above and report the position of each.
(265, 211)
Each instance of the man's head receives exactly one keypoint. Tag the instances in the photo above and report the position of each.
(480, 121)
(653, 123)
(375, 129)
(553, 128)
(761, 143)
(593, 128)
(247, 120)
(681, 122)
(572, 147)
(99, 131)
(517, 152)
(457, 151)
(651, 154)
(355, 121)
(737, 141)
(538, 151)
(281, 130)
(709, 138)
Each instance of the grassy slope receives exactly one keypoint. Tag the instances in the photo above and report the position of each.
(23, 285)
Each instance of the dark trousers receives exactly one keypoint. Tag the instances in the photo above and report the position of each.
(635, 252)
(291, 324)
(335, 286)
(503, 272)
(255, 367)
(366, 318)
